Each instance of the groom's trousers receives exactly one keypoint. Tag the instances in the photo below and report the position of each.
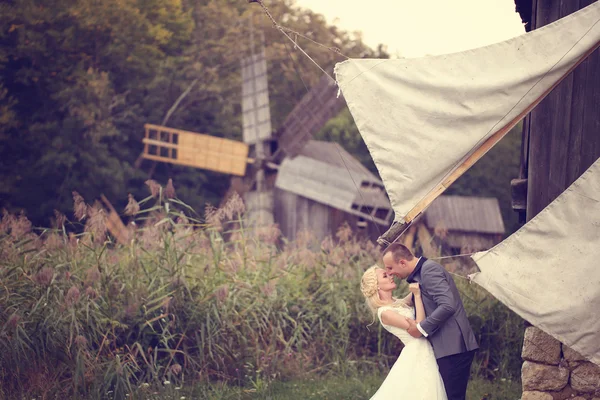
(455, 371)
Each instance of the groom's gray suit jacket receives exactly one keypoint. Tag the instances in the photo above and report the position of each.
(446, 322)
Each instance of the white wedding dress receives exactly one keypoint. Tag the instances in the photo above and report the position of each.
(415, 374)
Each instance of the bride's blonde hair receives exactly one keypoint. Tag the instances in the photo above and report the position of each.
(370, 289)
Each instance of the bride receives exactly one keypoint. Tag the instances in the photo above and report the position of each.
(415, 373)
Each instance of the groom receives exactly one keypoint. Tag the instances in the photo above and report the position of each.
(446, 324)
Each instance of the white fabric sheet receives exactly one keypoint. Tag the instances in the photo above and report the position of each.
(548, 272)
(421, 117)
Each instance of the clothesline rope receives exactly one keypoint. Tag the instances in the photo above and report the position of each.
(283, 31)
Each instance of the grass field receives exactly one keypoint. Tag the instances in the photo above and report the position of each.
(323, 388)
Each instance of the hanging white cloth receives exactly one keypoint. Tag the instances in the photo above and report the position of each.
(421, 117)
(548, 272)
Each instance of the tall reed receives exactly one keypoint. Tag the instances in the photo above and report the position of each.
(193, 299)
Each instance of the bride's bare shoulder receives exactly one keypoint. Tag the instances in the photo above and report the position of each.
(393, 316)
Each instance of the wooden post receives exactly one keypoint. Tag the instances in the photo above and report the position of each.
(147, 134)
(409, 238)
(115, 225)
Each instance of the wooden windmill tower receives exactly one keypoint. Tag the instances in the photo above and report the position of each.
(294, 181)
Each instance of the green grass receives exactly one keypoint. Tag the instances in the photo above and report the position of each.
(324, 388)
(365, 386)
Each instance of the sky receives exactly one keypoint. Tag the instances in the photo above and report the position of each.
(414, 28)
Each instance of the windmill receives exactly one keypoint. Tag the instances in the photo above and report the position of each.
(294, 181)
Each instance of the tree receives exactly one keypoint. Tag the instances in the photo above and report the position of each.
(75, 73)
(80, 78)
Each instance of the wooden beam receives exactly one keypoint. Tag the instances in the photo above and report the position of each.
(175, 161)
(519, 194)
(159, 143)
(425, 239)
(115, 225)
(409, 238)
(392, 234)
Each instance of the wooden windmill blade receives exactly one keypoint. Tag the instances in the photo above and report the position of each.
(256, 115)
(312, 112)
(256, 123)
(196, 150)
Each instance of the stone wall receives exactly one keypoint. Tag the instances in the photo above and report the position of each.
(552, 371)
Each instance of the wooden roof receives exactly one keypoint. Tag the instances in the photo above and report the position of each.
(466, 214)
(328, 174)
(332, 153)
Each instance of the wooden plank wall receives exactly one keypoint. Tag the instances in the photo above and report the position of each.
(564, 130)
(296, 213)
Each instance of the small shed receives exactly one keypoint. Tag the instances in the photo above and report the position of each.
(324, 187)
(463, 224)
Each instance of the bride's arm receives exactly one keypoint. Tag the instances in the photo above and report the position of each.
(419, 308)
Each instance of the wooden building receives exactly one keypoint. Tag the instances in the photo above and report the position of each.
(465, 224)
(561, 139)
(324, 187)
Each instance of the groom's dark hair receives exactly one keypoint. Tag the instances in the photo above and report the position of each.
(399, 252)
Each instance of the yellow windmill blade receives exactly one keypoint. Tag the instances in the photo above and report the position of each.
(193, 149)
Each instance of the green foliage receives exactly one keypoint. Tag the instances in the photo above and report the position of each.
(81, 315)
(342, 129)
(75, 71)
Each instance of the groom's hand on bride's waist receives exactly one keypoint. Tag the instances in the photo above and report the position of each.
(412, 329)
